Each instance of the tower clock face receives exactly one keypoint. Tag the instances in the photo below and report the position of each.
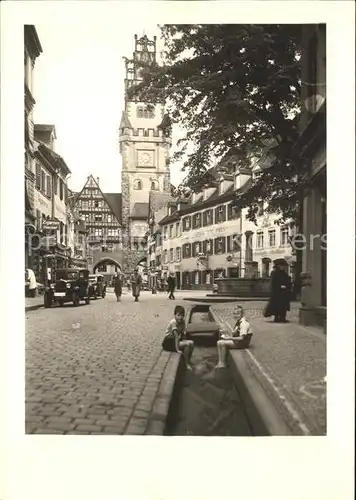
(145, 158)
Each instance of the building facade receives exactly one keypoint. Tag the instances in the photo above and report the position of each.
(145, 140)
(206, 237)
(101, 213)
(312, 148)
(50, 248)
(32, 50)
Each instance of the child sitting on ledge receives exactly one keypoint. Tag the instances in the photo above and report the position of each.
(239, 339)
(174, 339)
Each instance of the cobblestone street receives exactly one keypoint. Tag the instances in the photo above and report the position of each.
(95, 369)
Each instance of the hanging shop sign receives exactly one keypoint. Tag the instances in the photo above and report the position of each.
(50, 225)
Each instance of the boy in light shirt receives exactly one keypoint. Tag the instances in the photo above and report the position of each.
(240, 337)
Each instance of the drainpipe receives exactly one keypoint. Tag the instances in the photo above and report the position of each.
(240, 244)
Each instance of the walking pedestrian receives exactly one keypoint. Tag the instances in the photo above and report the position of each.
(32, 283)
(279, 302)
(171, 286)
(118, 286)
(136, 283)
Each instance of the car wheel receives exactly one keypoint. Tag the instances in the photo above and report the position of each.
(95, 296)
(75, 299)
(61, 303)
(103, 295)
(87, 300)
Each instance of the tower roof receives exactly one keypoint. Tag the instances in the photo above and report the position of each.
(125, 122)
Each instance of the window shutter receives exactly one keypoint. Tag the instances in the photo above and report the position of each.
(228, 244)
(229, 212)
(216, 245)
(49, 186)
(38, 176)
(216, 215)
(223, 244)
(223, 213)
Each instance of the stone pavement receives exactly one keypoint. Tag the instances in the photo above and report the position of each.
(98, 368)
(33, 302)
(289, 360)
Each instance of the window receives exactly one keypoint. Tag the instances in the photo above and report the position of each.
(186, 251)
(178, 254)
(171, 231)
(284, 236)
(177, 229)
(154, 186)
(49, 186)
(98, 218)
(171, 252)
(137, 185)
(236, 242)
(109, 218)
(85, 205)
(196, 249)
(165, 257)
(272, 237)
(196, 277)
(145, 112)
(233, 212)
(220, 214)
(186, 224)
(260, 240)
(219, 245)
(165, 232)
(61, 189)
(207, 217)
(196, 221)
(208, 278)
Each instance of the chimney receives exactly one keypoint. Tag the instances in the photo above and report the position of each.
(242, 175)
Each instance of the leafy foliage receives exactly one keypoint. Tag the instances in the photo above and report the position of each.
(235, 89)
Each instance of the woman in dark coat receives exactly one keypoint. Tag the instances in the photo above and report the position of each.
(118, 287)
(279, 302)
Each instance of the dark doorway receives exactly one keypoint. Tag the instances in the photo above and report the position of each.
(178, 280)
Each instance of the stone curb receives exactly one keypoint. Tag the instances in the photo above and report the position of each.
(263, 416)
(33, 308)
(221, 300)
(161, 410)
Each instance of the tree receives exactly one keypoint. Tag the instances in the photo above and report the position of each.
(236, 91)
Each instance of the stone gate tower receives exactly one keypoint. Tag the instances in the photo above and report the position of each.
(145, 140)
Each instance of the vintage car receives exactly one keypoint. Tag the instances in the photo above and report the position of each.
(70, 285)
(97, 286)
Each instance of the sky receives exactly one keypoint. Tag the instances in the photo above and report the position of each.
(79, 87)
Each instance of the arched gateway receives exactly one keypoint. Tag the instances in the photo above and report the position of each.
(104, 262)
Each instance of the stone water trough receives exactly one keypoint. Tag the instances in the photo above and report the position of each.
(202, 326)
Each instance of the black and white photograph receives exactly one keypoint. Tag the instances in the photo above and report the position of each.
(174, 244)
(175, 255)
